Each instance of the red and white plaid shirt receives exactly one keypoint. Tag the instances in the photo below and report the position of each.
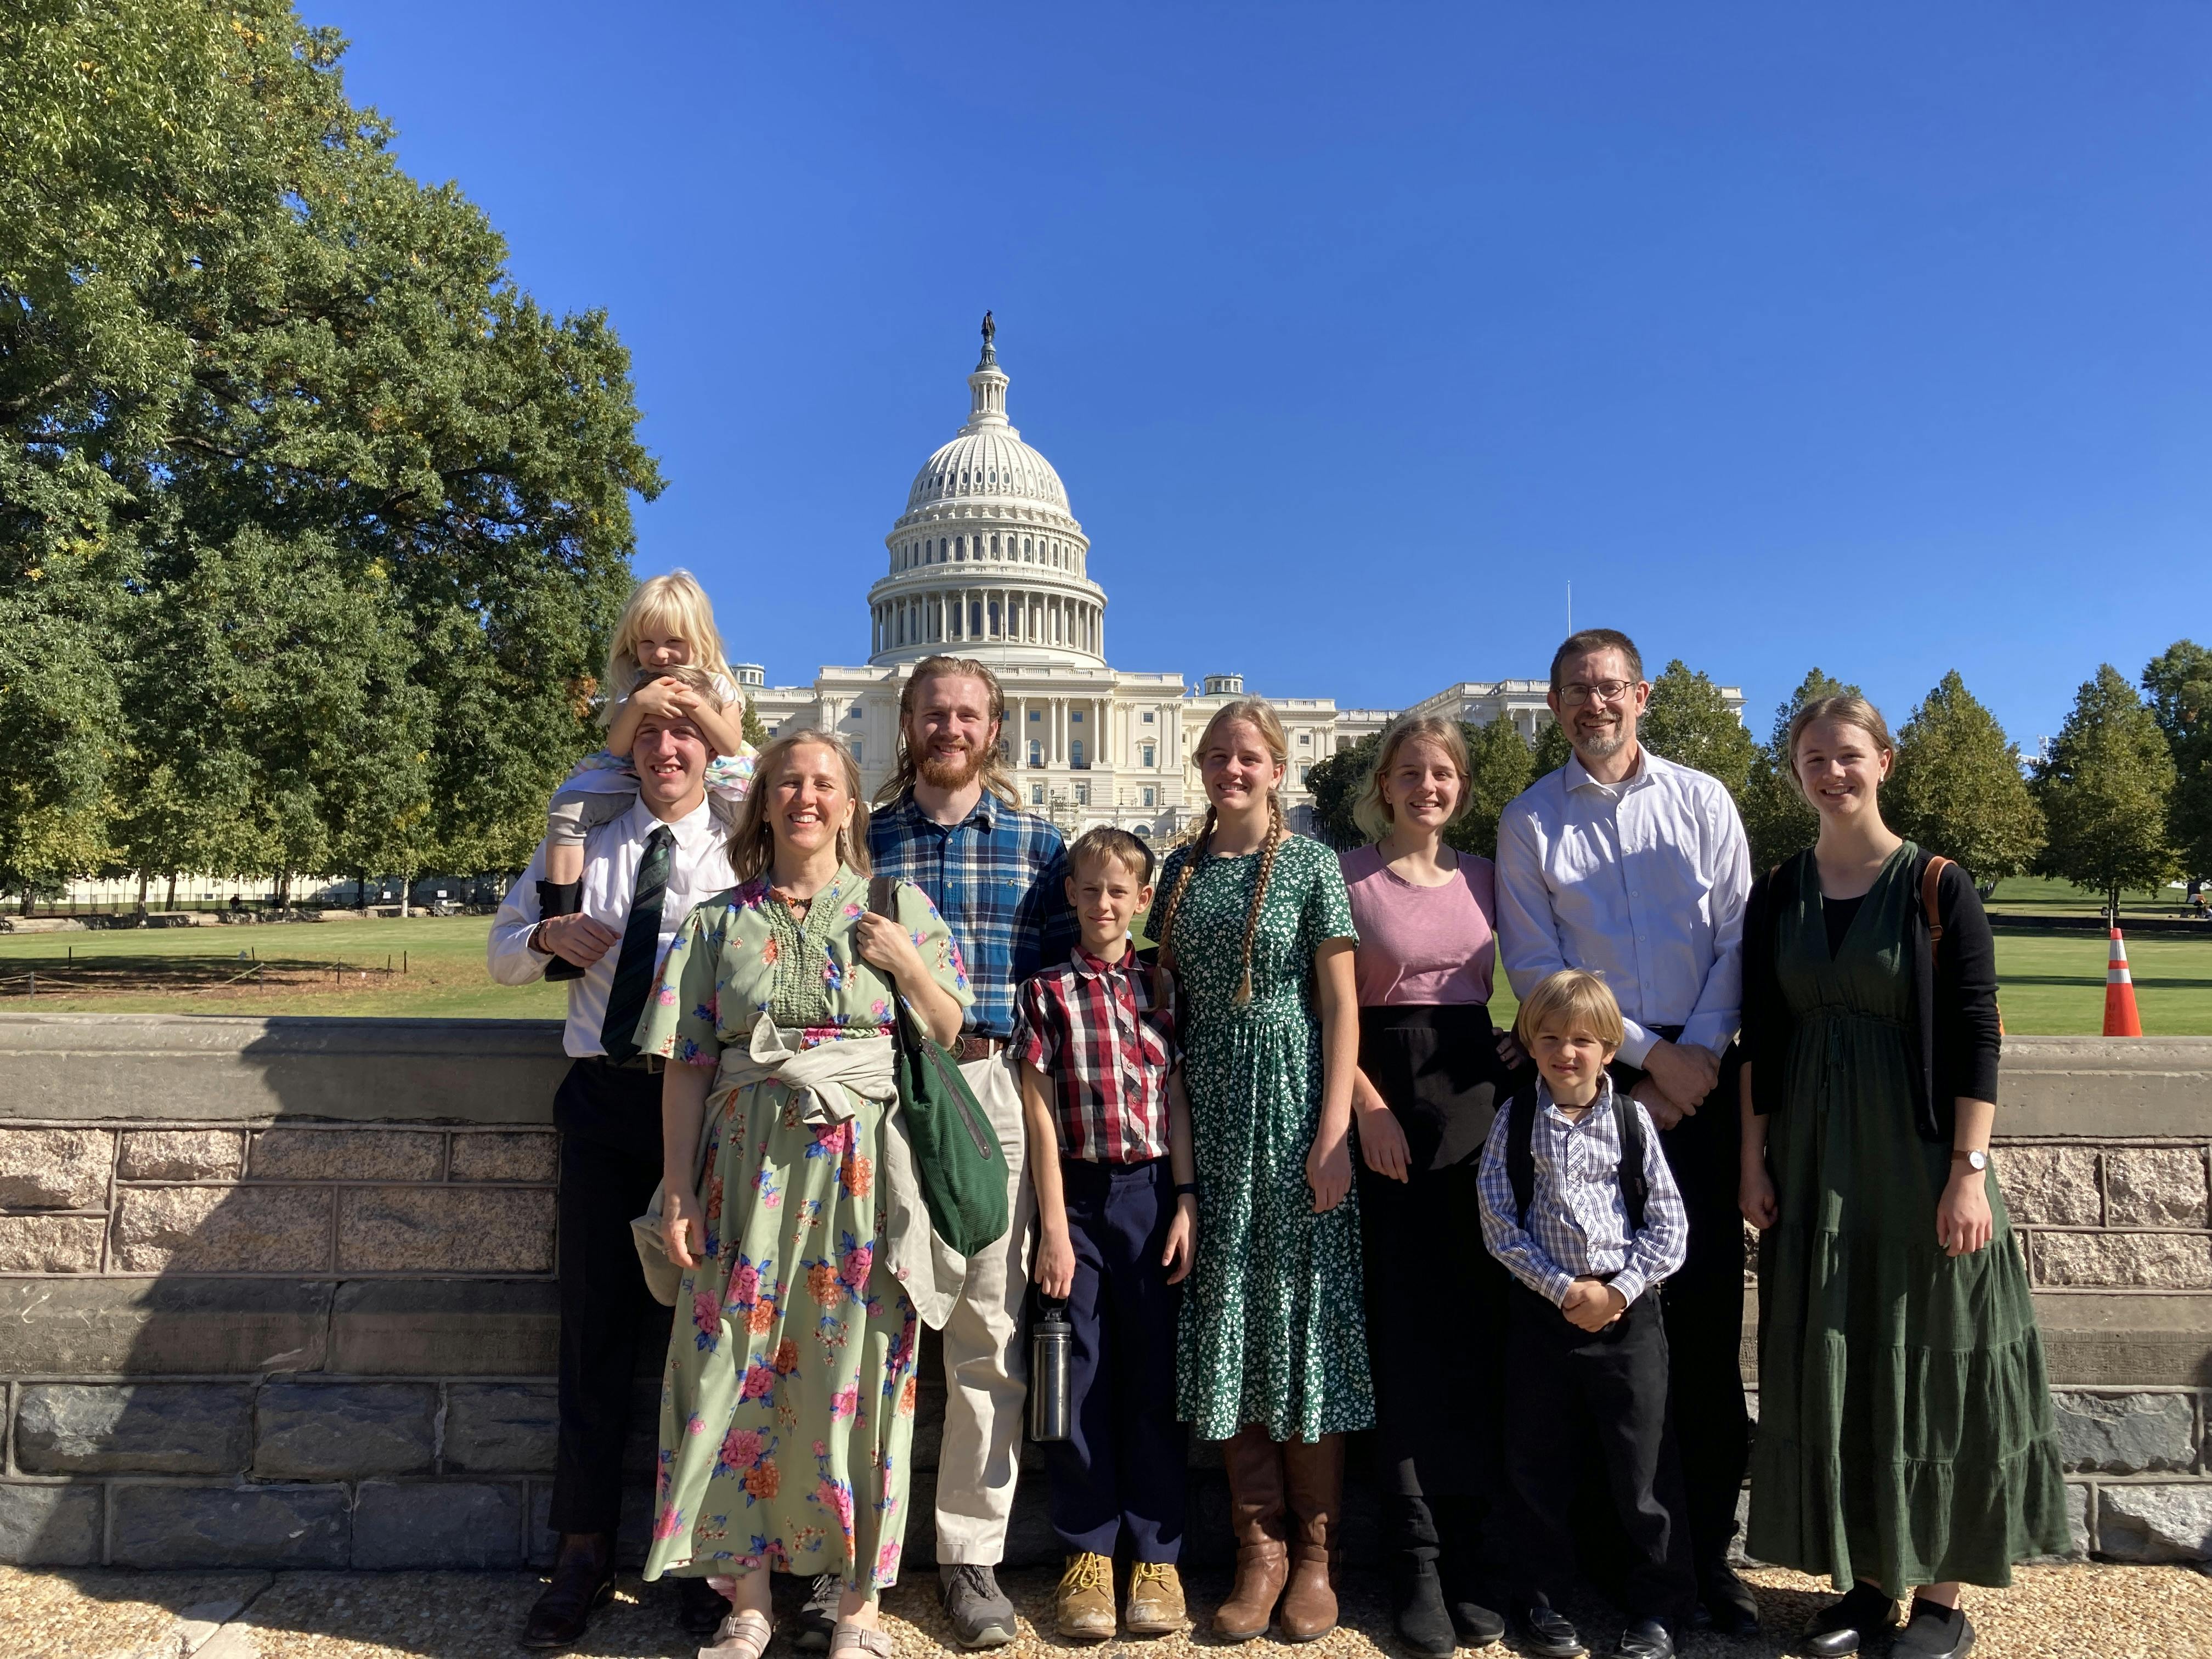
(1093, 1028)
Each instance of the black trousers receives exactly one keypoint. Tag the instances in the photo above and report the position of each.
(609, 1122)
(1571, 1392)
(1435, 1297)
(1123, 1470)
(1704, 1314)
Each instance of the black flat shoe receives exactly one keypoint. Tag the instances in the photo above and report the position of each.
(1417, 1610)
(581, 1586)
(1861, 1613)
(1475, 1623)
(1545, 1632)
(1933, 1632)
(1727, 1603)
(700, 1607)
(1647, 1638)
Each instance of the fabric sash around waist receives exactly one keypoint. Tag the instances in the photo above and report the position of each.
(1436, 1065)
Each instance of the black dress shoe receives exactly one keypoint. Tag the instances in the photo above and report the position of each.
(1727, 1603)
(1545, 1632)
(1933, 1632)
(700, 1607)
(1861, 1613)
(1647, 1638)
(583, 1579)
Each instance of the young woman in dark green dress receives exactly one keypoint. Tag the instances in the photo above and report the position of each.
(1906, 1441)
(1273, 1352)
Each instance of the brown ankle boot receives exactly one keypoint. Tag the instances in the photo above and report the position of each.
(1315, 1474)
(1255, 1515)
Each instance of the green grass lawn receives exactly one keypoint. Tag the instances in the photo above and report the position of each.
(443, 956)
(2053, 983)
(2033, 895)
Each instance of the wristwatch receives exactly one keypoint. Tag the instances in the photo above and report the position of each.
(535, 940)
(1974, 1160)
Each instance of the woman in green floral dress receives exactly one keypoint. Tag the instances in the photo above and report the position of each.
(1905, 1439)
(1273, 1360)
(787, 1404)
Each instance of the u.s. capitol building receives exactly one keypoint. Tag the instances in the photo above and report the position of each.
(988, 560)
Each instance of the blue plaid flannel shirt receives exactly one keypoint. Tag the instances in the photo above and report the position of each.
(1577, 1219)
(998, 877)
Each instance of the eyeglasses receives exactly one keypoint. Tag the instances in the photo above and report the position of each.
(1575, 694)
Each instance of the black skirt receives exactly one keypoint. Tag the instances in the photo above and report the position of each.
(1435, 1297)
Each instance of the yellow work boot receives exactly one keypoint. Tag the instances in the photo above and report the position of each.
(1155, 1606)
(1083, 1605)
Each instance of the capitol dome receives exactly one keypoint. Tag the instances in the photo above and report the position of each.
(988, 560)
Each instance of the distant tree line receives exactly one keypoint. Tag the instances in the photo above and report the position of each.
(2122, 799)
(312, 524)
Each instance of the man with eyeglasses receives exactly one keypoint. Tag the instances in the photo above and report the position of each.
(1627, 866)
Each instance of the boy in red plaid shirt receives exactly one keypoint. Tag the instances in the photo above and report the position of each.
(1117, 1209)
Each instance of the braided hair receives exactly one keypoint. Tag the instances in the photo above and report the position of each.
(1257, 714)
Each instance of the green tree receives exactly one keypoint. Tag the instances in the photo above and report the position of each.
(1552, 750)
(2104, 789)
(1777, 820)
(756, 729)
(1957, 789)
(1335, 781)
(1689, 722)
(1502, 767)
(2179, 682)
(223, 309)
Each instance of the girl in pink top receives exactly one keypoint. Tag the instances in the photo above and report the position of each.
(1432, 1073)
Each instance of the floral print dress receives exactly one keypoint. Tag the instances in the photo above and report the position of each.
(787, 1407)
(1272, 1330)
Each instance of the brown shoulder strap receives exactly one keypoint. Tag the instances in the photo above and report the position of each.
(1930, 879)
(883, 895)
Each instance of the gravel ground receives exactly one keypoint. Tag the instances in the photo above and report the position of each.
(2052, 1612)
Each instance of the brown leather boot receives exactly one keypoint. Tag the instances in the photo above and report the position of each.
(1315, 1473)
(1255, 1515)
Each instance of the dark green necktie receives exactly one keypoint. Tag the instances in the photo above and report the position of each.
(641, 945)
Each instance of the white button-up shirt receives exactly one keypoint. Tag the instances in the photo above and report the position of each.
(699, 865)
(1644, 882)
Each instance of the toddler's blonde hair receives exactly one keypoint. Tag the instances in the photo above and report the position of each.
(676, 603)
(1571, 997)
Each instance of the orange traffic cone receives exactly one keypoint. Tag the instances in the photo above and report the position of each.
(2120, 1017)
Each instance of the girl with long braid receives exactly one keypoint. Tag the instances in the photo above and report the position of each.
(1273, 1362)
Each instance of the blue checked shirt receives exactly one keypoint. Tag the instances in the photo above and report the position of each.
(998, 878)
(1577, 1219)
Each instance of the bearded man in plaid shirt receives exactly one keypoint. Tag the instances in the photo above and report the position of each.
(946, 821)
(1117, 1215)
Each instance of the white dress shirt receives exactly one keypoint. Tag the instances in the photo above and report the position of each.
(699, 865)
(1643, 881)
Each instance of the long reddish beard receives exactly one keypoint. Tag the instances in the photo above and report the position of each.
(941, 773)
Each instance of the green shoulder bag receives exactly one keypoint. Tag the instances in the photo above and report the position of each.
(957, 1155)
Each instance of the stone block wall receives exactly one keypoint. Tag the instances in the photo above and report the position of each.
(279, 1293)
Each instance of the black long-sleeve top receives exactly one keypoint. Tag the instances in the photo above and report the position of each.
(1957, 1031)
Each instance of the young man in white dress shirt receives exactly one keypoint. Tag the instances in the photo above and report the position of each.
(1631, 867)
(643, 872)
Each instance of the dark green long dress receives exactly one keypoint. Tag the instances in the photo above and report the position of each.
(1905, 1424)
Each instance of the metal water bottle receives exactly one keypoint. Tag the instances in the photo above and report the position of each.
(1052, 1344)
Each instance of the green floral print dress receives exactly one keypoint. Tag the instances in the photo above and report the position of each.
(1273, 1328)
(787, 1407)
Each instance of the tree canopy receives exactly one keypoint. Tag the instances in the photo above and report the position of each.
(1957, 787)
(2105, 789)
(312, 524)
(1690, 723)
(2179, 682)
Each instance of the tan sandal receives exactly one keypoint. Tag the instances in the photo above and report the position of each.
(742, 1634)
(876, 1642)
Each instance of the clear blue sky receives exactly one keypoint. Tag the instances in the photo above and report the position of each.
(1876, 337)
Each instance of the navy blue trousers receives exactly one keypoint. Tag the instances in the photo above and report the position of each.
(1121, 1469)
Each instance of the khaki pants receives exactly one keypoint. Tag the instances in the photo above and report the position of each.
(985, 1366)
